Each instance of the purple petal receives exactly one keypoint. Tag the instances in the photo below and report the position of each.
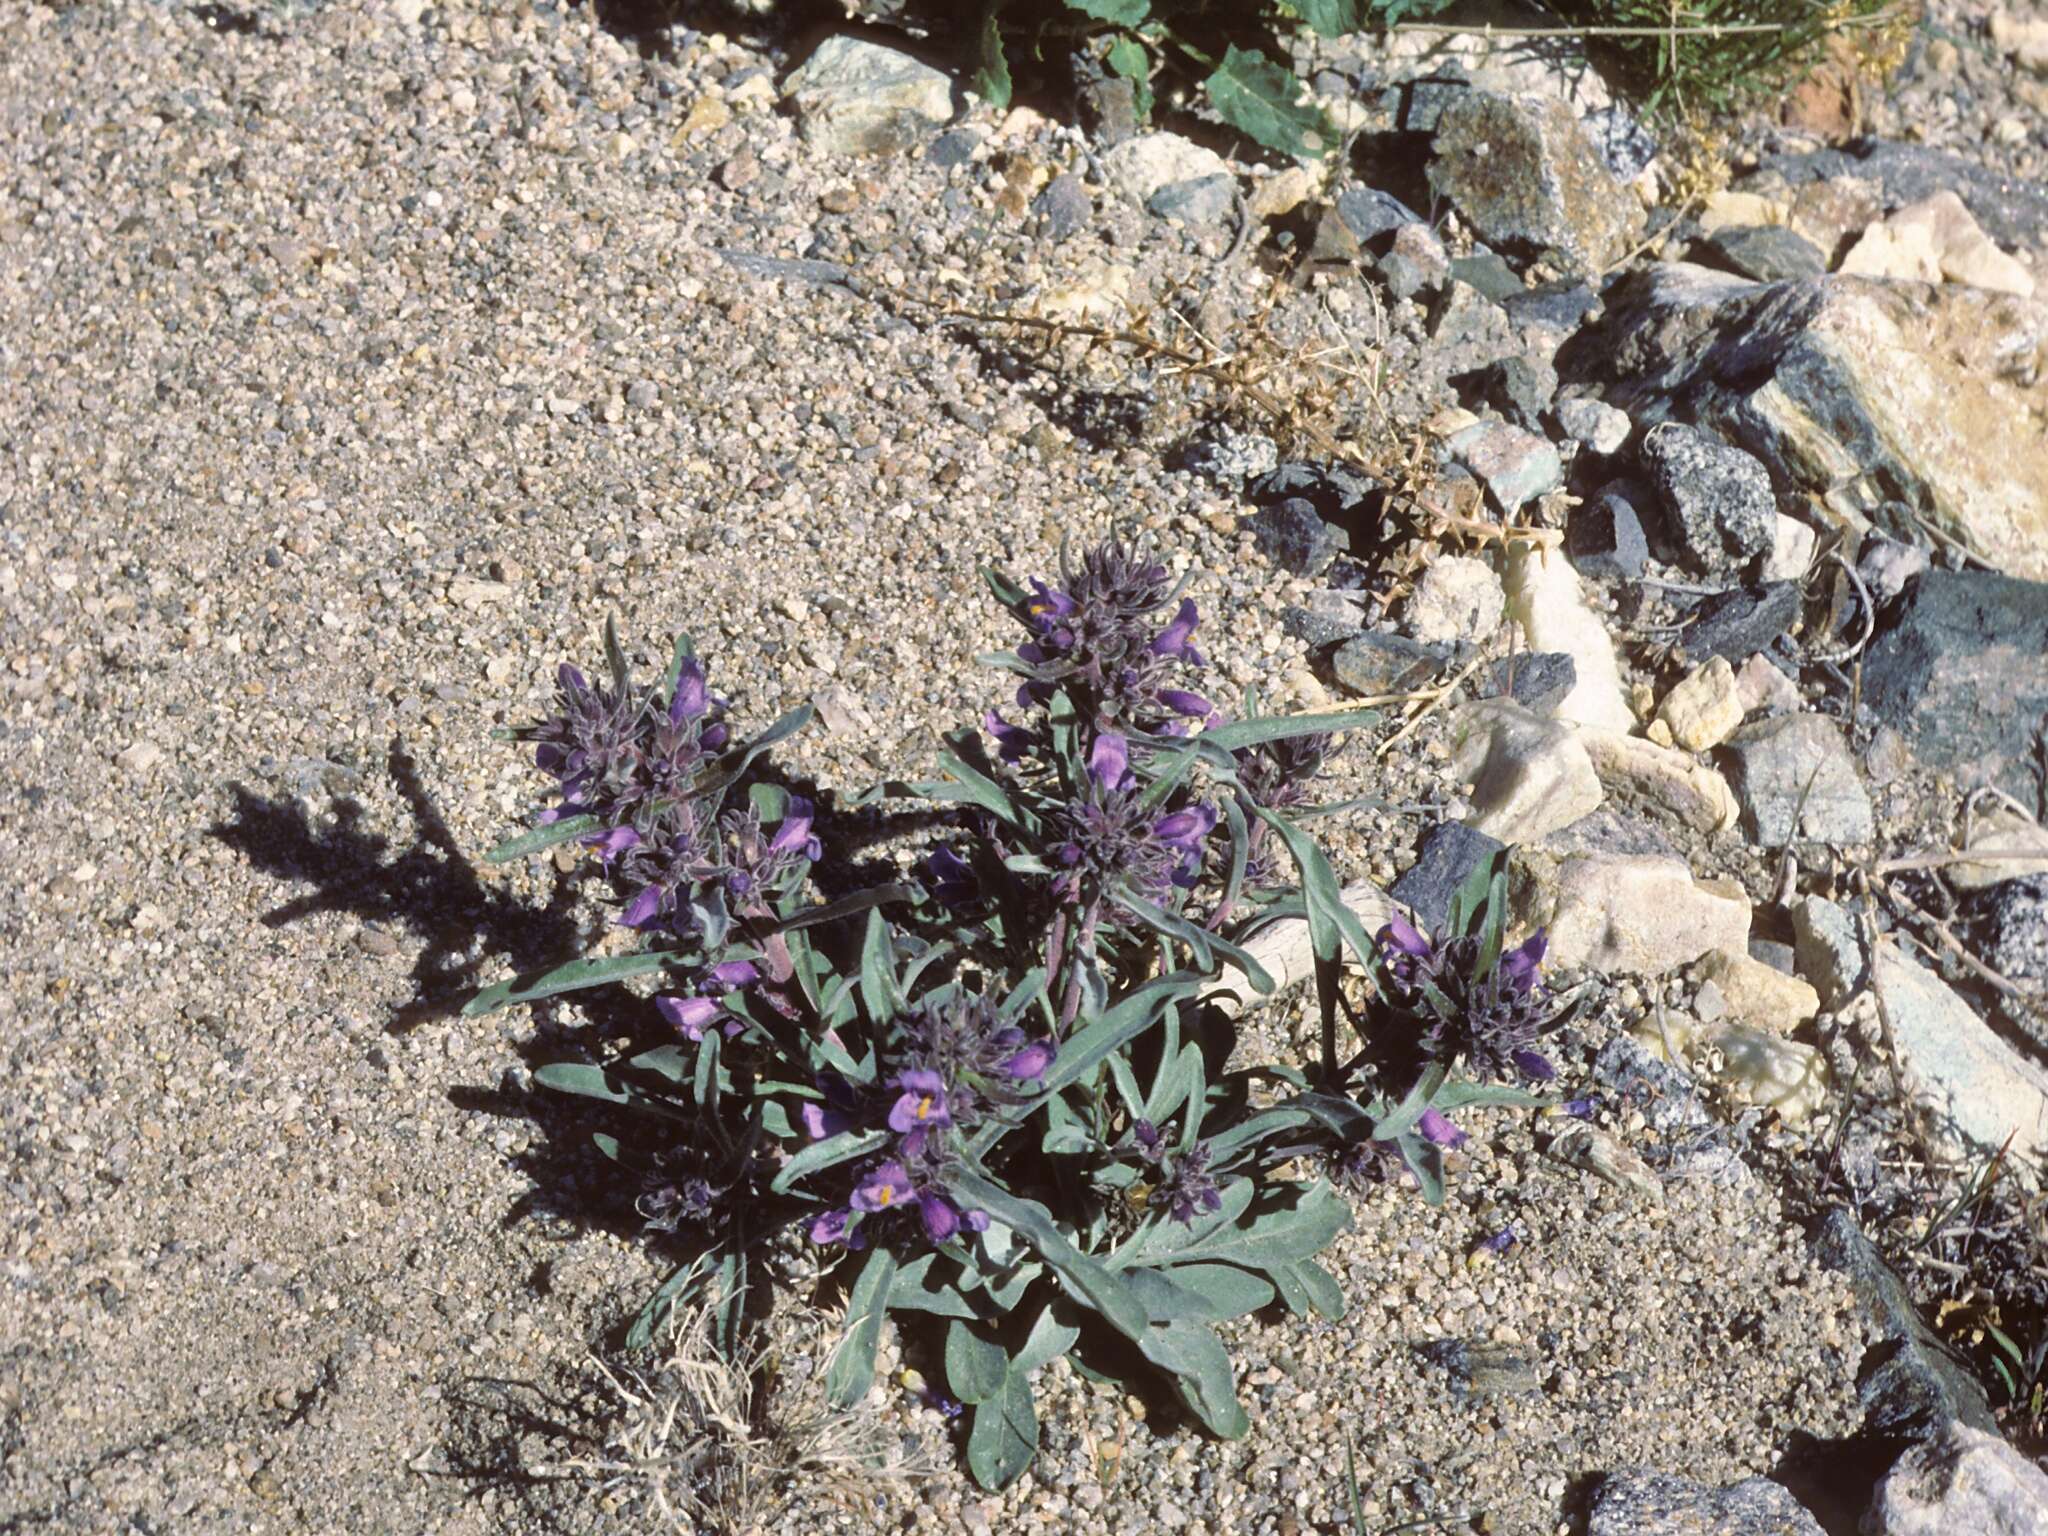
(941, 1220)
(713, 737)
(1173, 640)
(690, 699)
(830, 1226)
(1181, 702)
(1534, 1067)
(794, 832)
(731, 975)
(1031, 1062)
(691, 1015)
(922, 1104)
(885, 1187)
(610, 845)
(1520, 965)
(1436, 1128)
(571, 680)
(975, 1221)
(1012, 741)
(1402, 936)
(1185, 829)
(644, 908)
(820, 1122)
(953, 881)
(1049, 606)
(1109, 762)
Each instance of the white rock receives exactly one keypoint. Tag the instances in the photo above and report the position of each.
(1140, 166)
(1961, 1482)
(1792, 546)
(1906, 255)
(1457, 599)
(1545, 598)
(1529, 776)
(1983, 1088)
(1663, 778)
(859, 98)
(2024, 37)
(1757, 994)
(2004, 831)
(1936, 240)
(1705, 708)
(140, 758)
(1600, 426)
(1739, 210)
(407, 13)
(1634, 913)
(1764, 1069)
(1760, 685)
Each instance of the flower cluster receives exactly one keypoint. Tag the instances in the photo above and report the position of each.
(1490, 1016)
(1181, 1184)
(957, 1059)
(1108, 832)
(1097, 636)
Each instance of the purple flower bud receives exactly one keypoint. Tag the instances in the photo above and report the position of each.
(571, 680)
(1109, 762)
(941, 1217)
(820, 1122)
(1402, 937)
(885, 1187)
(794, 832)
(713, 738)
(1181, 702)
(1535, 1067)
(975, 1221)
(952, 877)
(1013, 742)
(1186, 829)
(731, 975)
(643, 909)
(922, 1104)
(610, 845)
(1173, 640)
(1436, 1128)
(691, 698)
(1031, 1062)
(1500, 1242)
(691, 1015)
(1048, 607)
(1520, 965)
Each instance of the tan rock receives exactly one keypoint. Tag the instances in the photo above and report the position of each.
(1547, 600)
(1529, 776)
(1760, 685)
(1963, 252)
(1703, 710)
(1667, 780)
(1907, 253)
(1281, 194)
(2024, 37)
(1639, 914)
(1758, 994)
(1739, 210)
(1759, 1068)
(2002, 831)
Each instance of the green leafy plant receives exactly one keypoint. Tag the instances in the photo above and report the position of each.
(1001, 1092)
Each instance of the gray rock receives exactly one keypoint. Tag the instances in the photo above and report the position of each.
(1637, 1079)
(1515, 466)
(1229, 456)
(1613, 831)
(1605, 538)
(1528, 180)
(1377, 663)
(1911, 1384)
(1622, 140)
(1108, 108)
(1638, 1502)
(1888, 566)
(1721, 512)
(854, 97)
(1449, 852)
(1539, 683)
(1404, 276)
(1829, 949)
(1420, 104)
(954, 147)
(1199, 200)
(1961, 1481)
(1493, 277)
(1469, 329)
(1520, 388)
(1797, 780)
(1327, 618)
(1738, 624)
(1782, 958)
(2014, 914)
(1983, 1090)
(1369, 213)
(1335, 490)
(1769, 253)
(1961, 672)
(1595, 423)
(1064, 205)
(1142, 166)
(1291, 535)
(2011, 209)
(1550, 312)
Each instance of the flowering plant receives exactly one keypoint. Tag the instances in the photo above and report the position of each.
(1001, 1091)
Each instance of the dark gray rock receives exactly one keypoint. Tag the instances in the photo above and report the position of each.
(1796, 779)
(1404, 276)
(1634, 1078)
(1639, 1502)
(1622, 141)
(1369, 213)
(2012, 210)
(1769, 253)
(1605, 537)
(1419, 105)
(1779, 957)
(1493, 277)
(1468, 329)
(1530, 182)
(2014, 914)
(1961, 671)
(1538, 682)
(1199, 200)
(1611, 831)
(1721, 513)
(1108, 108)
(1376, 663)
(1291, 535)
(953, 147)
(1739, 624)
(1552, 311)
(1520, 388)
(1911, 1383)
(1450, 851)
(1333, 489)
(1321, 628)
(1064, 205)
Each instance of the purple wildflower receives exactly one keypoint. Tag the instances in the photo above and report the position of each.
(690, 1015)
(1106, 835)
(953, 883)
(922, 1102)
(832, 1227)
(1013, 742)
(1030, 1063)
(1437, 1128)
(1492, 1019)
(886, 1186)
(1174, 640)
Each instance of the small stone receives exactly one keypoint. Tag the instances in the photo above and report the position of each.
(1486, 273)
(1529, 776)
(1450, 851)
(1545, 599)
(1520, 388)
(1742, 622)
(375, 941)
(2014, 915)
(1515, 466)
(1708, 1005)
(1376, 664)
(1295, 538)
(1538, 682)
(1064, 205)
(1595, 423)
(1796, 779)
(1721, 510)
(1369, 213)
(1605, 538)
(1199, 200)
(643, 395)
(139, 758)
(956, 146)
(1829, 948)
(1758, 995)
(1457, 600)
(1640, 915)
(1278, 195)
(853, 97)
(2001, 830)
(1639, 1502)
(1768, 253)
(1414, 262)
(1792, 546)
(1704, 709)
(1661, 779)
(1760, 685)
(1962, 1480)
(1762, 1068)
(1140, 167)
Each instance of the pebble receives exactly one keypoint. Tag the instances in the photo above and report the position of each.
(1720, 512)
(1530, 776)
(1704, 708)
(1457, 600)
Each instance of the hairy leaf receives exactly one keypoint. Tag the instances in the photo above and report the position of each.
(542, 837)
(1262, 99)
(867, 1304)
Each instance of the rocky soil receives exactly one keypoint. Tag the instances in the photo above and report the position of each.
(357, 361)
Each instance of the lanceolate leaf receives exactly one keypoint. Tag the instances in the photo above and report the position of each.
(542, 837)
(573, 977)
(1201, 1369)
(867, 1304)
(1329, 919)
(1204, 944)
(1005, 1435)
(915, 1291)
(828, 1153)
(1083, 1276)
(1250, 733)
(975, 1364)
